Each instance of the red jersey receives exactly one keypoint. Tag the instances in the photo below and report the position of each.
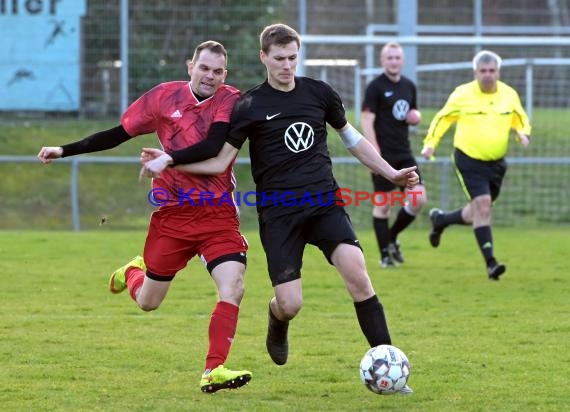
(180, 120)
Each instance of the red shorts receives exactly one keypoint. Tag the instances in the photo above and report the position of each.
(178, 233)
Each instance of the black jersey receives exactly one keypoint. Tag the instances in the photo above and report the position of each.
(391, 102)
(287, 134)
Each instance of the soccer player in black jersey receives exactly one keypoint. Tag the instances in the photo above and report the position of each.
(285, 120)
(389, 108)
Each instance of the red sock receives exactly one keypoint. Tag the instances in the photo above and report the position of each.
(135, 279)
(223, 324)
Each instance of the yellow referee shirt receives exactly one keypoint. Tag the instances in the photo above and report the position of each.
(484, 120)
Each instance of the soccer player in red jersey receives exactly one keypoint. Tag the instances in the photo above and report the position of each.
(183, 113)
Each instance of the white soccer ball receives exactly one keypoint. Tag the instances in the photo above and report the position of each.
(384, 369)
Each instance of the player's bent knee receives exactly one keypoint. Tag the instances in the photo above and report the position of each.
(289, 312)
(290, 307)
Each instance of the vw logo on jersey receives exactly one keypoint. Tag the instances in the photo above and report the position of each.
(400, 109)
(299, 137)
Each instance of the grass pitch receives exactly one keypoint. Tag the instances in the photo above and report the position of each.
(66, 344)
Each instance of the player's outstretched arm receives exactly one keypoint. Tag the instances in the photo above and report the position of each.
(369, 157)
(205, 149)
(363, 150)
(106, 139)
(212, 166)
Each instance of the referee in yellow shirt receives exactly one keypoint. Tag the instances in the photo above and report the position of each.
(485, 111)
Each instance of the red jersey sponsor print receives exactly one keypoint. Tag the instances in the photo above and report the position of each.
(180, 120)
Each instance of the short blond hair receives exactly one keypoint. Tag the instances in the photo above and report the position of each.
(390, 45)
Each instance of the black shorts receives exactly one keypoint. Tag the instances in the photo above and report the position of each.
(382, 184)
(479, 177)
(285, 235)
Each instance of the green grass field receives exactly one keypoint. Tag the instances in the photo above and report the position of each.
(66, 344)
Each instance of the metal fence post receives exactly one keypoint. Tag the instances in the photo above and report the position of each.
(357, 94)
(529, 89)
(124, 27)
(444, 182)
(74, 195)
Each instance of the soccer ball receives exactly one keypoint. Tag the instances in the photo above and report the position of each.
(414, 117)
(384, 369)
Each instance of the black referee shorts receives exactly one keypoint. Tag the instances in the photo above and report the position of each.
(382, 184)
(479, 177)
(285, 231)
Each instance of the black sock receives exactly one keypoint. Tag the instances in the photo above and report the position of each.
(452, 218)
(370, 314)
(402, 221)
(382, 234)
(485, 240)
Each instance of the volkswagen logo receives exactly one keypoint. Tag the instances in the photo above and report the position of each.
(299, 137)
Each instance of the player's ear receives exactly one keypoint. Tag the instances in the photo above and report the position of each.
(190, 65)
(262, 56)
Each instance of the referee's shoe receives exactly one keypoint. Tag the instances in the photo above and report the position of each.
(436, 227)
(495, 270)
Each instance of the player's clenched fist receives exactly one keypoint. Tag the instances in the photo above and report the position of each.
(48, 154)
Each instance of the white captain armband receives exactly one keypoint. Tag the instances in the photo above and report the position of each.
(350, 137)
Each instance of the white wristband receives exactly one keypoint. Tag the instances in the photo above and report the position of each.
(350, 137)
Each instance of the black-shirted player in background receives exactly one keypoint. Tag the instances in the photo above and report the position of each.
(285, 120)
(388, 109)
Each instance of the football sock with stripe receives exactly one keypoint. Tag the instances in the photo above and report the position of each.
(484, 238)
(135, 278)
(221, 332)
(403, 220)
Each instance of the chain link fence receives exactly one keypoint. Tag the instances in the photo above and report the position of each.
(162, 36)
